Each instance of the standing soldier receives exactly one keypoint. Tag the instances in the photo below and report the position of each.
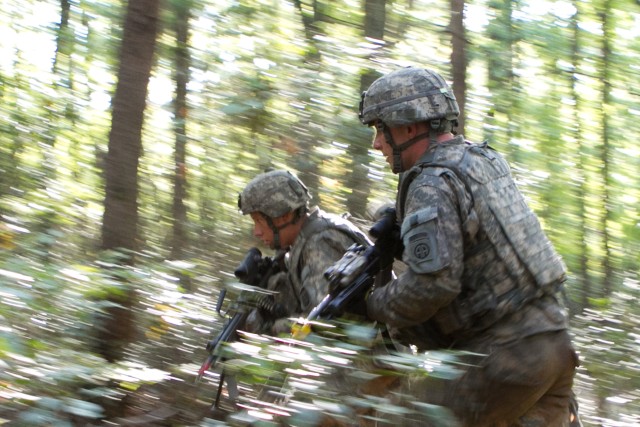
(482, 276)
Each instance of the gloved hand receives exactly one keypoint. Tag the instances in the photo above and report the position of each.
(386, 234)
(255, 323)
(281, 326)
(391, 247)
(277, 282)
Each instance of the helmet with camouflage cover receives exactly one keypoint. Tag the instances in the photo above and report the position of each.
(274, 194)
(407, 96)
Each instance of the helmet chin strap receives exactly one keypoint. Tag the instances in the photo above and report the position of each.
(276, 233)
(276, 230)
(398, 149)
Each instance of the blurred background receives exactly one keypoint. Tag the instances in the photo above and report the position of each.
(127, 130)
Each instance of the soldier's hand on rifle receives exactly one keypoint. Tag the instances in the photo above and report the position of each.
(282, 326)
(386, 233)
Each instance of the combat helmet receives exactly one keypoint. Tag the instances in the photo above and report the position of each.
(406, 96)
(273, 193)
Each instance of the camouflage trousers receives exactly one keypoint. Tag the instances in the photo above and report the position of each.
(527, 383)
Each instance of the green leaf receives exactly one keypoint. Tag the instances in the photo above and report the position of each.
(83, 408)
(50, 403)
(39, 417)
(235, 109)
(438, 415)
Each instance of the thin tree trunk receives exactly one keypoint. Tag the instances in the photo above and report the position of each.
(459, 58)
(62, 42)
(605, 153)
(307, 162)
(182, 61)
(584, 280)
(358, 181)
(54, 110)
(500, 65)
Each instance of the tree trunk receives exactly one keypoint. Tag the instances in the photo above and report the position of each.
(458, 58)
(605, 149)
(55, 108)
(182, 61)
(500, 64)
(357, 182)
(116, 324)
(584, 281)
(119, 227)
(307, 162)
(64, 37)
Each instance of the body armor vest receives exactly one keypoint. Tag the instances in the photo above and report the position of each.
(317, 222)
(508, 260)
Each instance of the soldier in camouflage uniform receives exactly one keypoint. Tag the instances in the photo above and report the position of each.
(312, 239)
(482, 275)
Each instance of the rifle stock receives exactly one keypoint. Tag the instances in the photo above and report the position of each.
(253, 270)
(227, 335)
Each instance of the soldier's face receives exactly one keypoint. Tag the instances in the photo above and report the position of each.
(261, 229)
(400, 135)
(380, 143)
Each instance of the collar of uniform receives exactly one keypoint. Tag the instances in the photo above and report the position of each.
(312, 216)
(313, 212)
(428, 155)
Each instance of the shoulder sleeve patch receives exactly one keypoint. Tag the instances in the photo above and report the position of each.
(420, 235)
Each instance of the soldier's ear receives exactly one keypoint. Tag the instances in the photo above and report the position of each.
(415, 129)
(284, 219)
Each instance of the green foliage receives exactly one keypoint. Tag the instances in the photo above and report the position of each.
(321, 376)
(607, 339)
(50, 375)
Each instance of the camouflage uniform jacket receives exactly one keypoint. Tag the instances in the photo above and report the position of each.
(480, 266)
(322, 241)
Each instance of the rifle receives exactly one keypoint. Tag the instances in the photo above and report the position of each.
(254, 270)
(354, 275)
